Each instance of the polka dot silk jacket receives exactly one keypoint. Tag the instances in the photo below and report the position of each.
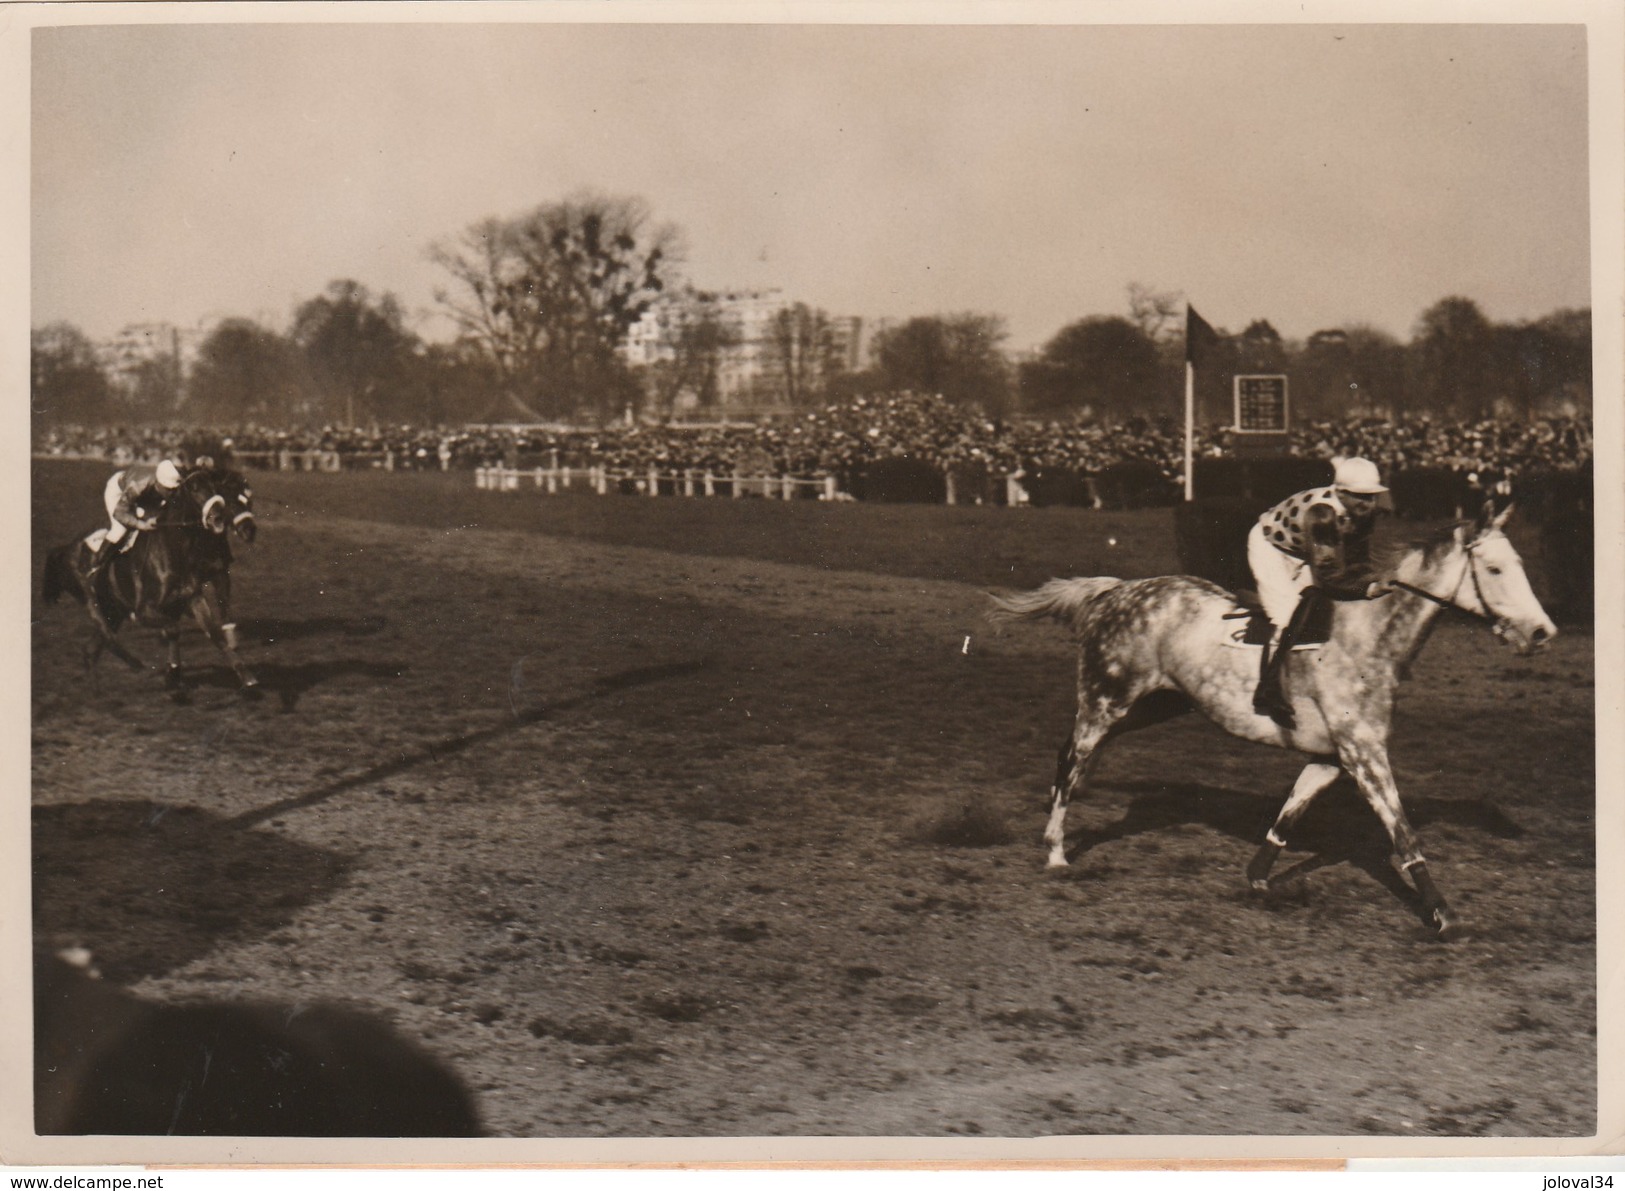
(1315, 527)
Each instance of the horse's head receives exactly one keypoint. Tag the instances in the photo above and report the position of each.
(216, 499)
(1496, 585)
(188, 506)
(238, 503)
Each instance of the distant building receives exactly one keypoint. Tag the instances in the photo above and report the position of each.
(1334, 337)
(147, 363)
(145, 343)
(747, 361)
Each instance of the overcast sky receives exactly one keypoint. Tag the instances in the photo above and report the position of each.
(1311, 175)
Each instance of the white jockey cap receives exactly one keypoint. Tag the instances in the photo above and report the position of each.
(1358, 475)
(169, 476)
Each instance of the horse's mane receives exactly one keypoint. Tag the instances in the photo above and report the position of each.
(1432, 547)
(198, 486)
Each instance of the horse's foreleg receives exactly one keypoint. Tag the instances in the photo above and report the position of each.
(206, 611)
(1316, 776)
(222, 599)
(1367, 763)
(172, 640)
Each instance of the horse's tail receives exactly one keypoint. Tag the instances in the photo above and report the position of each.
(58, 576)
(1059, 599)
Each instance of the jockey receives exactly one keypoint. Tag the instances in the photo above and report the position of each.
(133, 497)
(1317, 538)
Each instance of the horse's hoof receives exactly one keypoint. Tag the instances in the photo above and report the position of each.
(1444, 922)
(1259, 884)
(1055, 862)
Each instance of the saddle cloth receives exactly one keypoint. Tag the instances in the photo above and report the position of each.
(96, 537)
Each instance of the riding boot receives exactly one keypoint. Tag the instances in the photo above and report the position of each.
(1270, 698)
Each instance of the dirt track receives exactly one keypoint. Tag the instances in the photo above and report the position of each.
(701, 818)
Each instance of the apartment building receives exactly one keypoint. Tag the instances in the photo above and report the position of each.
(747, 355)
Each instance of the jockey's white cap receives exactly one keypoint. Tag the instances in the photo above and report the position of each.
(1358, 475)
(169, 476)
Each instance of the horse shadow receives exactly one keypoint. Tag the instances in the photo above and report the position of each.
(447, 746)
(1338, 828)
(290, 682)
(149, 887)
(272, 630)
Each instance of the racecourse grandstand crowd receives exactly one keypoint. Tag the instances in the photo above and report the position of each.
(845, 441)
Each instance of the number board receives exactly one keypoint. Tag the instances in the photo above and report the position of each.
(1260, 405)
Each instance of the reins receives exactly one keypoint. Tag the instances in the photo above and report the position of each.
(201, 522)
(1471, 569)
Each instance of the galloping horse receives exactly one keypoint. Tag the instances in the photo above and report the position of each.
(182, 565)
(1141, 639)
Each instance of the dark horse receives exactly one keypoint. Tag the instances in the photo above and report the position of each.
(182, 565)
(106, 1061)
(1150, 648)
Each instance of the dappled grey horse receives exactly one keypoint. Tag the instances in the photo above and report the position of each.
(1140, 639)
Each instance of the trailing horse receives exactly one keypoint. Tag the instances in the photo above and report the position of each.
(1149, 648)
(109, 1062)
(181, 566)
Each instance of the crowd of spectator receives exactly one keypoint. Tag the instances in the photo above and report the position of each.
(840, 440)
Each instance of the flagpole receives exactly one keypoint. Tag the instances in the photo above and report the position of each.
(1190, 426)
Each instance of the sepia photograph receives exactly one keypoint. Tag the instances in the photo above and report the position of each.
(950, 582)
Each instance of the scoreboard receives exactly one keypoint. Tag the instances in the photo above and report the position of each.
(1261, 404)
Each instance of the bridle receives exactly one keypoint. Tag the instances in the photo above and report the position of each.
(1498, 624)
(203, 509)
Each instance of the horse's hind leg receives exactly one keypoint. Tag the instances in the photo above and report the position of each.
(1316, 776)
(1071, 771)
(92, 651)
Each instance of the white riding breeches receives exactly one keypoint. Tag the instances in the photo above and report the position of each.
(1280, 577)
(111, 495)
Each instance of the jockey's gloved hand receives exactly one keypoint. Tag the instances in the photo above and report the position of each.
(146, 523)
(1380, 588)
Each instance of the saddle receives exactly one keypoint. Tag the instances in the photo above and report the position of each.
(1256, 630)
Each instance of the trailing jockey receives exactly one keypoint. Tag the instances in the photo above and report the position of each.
(133, 497)
(1319, 538)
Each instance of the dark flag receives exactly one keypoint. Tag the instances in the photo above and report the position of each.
(1200, 338)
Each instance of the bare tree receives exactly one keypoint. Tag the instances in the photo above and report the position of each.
(698, 341)
(802, 353)
(357, 348)
(551, 294)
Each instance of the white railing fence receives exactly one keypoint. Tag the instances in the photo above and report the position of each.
(654, 482)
